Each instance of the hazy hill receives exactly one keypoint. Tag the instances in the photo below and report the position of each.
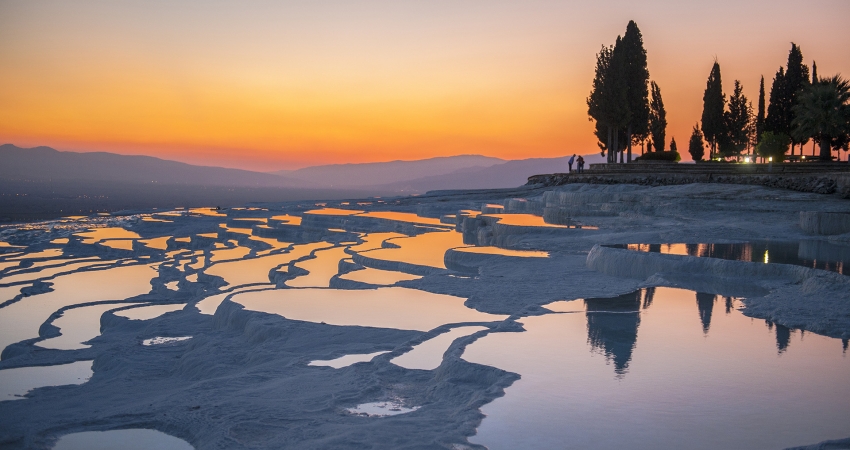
(505, 175)
(385, 173)
(45, 163)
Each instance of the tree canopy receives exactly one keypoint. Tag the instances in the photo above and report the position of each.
(618, 101)
(657, 119)
(695, 145)
(714, 102)
(823, 112)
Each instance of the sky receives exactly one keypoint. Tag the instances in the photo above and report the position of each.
(269, 85)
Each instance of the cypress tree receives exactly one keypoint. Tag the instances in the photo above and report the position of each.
(796, 78)
(713, 102)
(814, 72)
(636, 85)
(657, 119)
(775, 119)
(760, 115)
(738, 120)
(695, 146)
(673, 147)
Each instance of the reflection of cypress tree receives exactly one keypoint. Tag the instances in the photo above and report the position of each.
(649, 294)
(728, 305)
(844, 343)
(705, 303)
(783, 337)
(614, 334)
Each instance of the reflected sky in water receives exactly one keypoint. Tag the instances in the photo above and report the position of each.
(666, 368)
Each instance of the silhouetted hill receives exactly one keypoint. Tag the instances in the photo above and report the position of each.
(385, 173)
(45, 163)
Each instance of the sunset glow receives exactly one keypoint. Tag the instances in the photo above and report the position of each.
(274, 85)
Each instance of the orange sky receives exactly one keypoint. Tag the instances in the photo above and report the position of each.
(272, 85)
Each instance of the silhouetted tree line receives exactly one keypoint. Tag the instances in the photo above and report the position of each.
(801, 108)
(628, 109)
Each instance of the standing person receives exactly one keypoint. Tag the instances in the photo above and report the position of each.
(580, 164)
(570, 162)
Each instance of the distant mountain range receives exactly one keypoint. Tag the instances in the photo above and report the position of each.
(42, 183)
(386, 178)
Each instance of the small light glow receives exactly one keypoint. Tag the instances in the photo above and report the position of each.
(766, 257)
(747, 159)
(770, 159)
(804, 157)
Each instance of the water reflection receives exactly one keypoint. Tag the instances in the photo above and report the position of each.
(705, 304)
(612, 325)
(808, 253)
(685, 388)
(14, 383)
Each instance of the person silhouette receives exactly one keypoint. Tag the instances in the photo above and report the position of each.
(580, 164)
(570, 162)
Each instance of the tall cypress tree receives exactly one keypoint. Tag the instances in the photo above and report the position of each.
(814, 72)
(713, 102)
(796, 78)
(657, 118)
(760, 114)
(637, 85)
(738, 120)
(775, 120)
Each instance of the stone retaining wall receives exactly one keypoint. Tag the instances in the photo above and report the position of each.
(818, 182)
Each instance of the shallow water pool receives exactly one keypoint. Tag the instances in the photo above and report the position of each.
(663, 368)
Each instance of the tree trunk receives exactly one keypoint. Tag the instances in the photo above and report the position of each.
(629, 143)
(825, 151)
(616, 145)
(609, 143)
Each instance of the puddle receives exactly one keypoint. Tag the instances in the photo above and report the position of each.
(504, 252)
(159, 340)
(229, 254)
(78, 325)
(381, 409)
(192, 278)
(378, 277)
(151, 219)
(390, 307)
(665, 369)
(172, 285)
(210, 304)
(120, 244)
(22, 319)
(322, 268)
(99, 234)
(148, 312)
(160, 243)
(404, 217)
(530, 220)
(287, 219)
(426, 249)
(49, 253)
(134, 439)
(808, 253)
(199, 264)
(256, 270)
(14, 383)
(60, 241)
(51, 271)
(429, 354)
(345, 361)
(373, 241)
(333, 212)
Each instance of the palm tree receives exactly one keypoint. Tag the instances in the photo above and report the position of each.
(823, 113)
